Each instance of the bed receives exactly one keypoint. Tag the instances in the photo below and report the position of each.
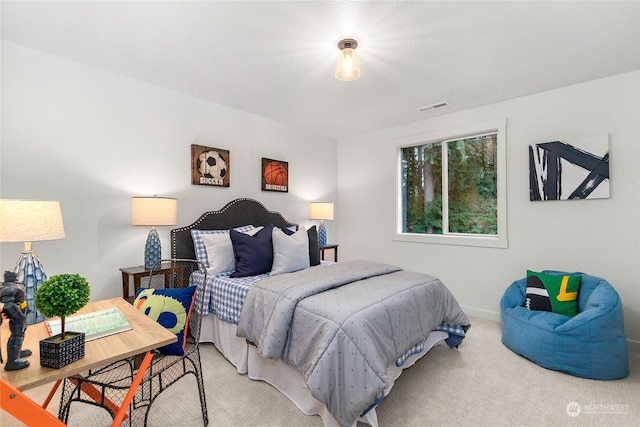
(308, 331)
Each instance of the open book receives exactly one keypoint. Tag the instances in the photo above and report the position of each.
(96, 324)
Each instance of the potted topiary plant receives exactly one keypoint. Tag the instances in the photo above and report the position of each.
(60, 296)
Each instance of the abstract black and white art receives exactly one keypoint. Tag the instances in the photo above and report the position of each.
(562, 171)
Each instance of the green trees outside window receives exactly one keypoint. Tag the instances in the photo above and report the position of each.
(450, 186)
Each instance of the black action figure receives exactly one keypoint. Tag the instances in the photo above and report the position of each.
(14, 306)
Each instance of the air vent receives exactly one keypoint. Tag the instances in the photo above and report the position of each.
(433, 106)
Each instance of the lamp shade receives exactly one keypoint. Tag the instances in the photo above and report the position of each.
(154, 211)
(321, 210)
(348, 66)
(30, 220)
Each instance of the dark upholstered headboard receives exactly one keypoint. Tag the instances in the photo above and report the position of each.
(235, 214)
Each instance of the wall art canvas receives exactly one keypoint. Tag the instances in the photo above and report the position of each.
(275, 175)
(210, 166)
(569, 170)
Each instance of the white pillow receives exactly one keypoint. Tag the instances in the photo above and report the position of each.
(253, 231)
(219, 253)
(198, 244)
(219, 250)
(290, 253)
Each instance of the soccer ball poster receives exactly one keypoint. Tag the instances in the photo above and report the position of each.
(209, 166)
(275, 175)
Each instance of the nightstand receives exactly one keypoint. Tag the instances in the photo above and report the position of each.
(139, 272)
(329, 247)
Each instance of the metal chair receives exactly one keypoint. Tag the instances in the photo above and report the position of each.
(108, 385)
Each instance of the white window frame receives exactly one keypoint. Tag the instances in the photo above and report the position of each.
(490, 241)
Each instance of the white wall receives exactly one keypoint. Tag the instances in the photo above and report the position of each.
(92, 139)
(599, 237)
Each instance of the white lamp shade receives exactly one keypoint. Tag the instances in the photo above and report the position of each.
(154, 211)
(30, 220)
(321, 210)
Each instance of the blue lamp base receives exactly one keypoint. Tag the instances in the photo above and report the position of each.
(152, 249)
(322, 235)
(31, 275)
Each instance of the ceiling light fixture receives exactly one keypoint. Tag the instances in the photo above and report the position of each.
(348, 67)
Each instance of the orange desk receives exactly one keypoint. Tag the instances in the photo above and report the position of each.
(145, 335)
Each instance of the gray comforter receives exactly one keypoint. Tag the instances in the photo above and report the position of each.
(343, 338)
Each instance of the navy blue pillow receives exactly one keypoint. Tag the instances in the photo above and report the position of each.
(254, 254)
(314, 249)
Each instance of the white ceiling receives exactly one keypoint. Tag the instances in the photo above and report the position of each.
(277, 59)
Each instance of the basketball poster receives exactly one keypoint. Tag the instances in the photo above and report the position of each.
(209, 166)
(275, 175)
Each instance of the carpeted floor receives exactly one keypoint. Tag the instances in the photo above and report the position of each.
(480, 384)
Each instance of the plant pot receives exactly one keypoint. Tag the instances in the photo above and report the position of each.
(56, 352)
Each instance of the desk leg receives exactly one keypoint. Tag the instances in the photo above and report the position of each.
(23, 408)
(117, 420)
(51, 393)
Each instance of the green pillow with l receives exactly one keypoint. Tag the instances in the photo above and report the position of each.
(552, 292)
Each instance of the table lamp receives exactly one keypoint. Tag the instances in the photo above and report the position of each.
(30, 221)
(321, 211)
(153, 211)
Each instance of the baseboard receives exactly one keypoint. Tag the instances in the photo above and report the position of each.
(483, 314)
(633, 345)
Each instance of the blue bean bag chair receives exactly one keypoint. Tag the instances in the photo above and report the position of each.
(591, 344)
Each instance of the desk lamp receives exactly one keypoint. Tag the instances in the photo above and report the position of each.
(153, 211)
(30, 221)
(321, 211)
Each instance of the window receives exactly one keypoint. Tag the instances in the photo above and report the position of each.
(451, 187)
